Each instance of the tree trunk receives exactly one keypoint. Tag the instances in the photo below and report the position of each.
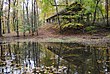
(32, 18)
(27, 15)
(58, 18)
(37, 17)
(1, 8)
(24, 20)
(17, 27)
(14, 15)
(8, 22)
(0, 26)
(94, 19)
(107, 12)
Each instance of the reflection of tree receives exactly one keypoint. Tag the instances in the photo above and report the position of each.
(94, 61)
(59, 55)
(108, 59)
(34, 55)
(37, 54)
(46, 58)
(16, 47)
(77, 58)
(2, 52)
(82, 59)
(9, 47)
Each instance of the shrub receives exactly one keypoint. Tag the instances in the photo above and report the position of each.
(72, 26)
(91, 29)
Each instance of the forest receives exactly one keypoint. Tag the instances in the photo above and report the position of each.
(68, 15)
(54, 36)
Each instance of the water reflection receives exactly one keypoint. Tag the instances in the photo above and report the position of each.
(54, 58)
(83, 59)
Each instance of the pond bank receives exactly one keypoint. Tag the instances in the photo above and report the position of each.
(84, 39)
(48, 34)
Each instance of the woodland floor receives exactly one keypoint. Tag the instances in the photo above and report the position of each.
(47, 33)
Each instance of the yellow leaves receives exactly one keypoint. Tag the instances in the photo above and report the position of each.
(72, 25)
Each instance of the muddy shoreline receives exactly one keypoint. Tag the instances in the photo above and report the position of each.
(88, 40)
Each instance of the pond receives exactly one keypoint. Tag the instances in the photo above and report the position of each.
(53, 58)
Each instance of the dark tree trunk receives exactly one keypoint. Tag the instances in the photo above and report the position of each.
(94, 19)
(3, 28)
(1, 52)
(28, 23)
(14, 15)
(107, 60)
(8, 22)
(34, 17)
(1, 13)
(107, 12)
(17, 28)
(17, 22)
(0, 26)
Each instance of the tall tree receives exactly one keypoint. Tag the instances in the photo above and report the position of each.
(17, 24)
(107, 12)
(34, 17)
(1, 12)
(32, 13)
(24, 19)
(0, 23)
(97, 2)
(8, 21)
(27, 12)
(37, 17)
(14, 1)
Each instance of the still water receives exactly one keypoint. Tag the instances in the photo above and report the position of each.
(53, 58)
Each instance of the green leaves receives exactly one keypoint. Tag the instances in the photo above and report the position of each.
(88, 10)
(72, 25)
(91, 29)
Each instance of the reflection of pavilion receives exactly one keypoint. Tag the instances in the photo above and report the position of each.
(74, 53)
(77, 57)
(85, 59)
